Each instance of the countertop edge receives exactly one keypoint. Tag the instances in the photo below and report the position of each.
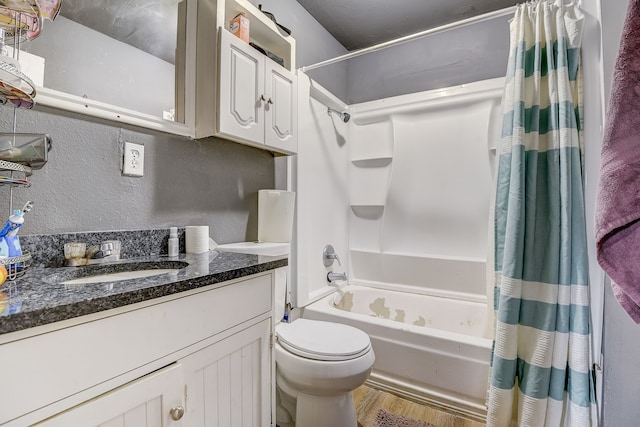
(35, 318)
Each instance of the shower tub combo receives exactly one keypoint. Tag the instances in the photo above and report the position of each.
(420, 183)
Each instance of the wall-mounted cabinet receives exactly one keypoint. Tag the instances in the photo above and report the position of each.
(257, 100)
(84, 72)
(236, 91)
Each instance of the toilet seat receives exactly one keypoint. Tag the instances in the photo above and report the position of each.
(318, 340)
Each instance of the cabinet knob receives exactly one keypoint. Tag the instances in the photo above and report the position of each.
(176, 413)
(263, 99)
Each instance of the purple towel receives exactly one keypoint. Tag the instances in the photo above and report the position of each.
(618, 201)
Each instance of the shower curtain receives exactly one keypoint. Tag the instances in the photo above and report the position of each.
(540, 374)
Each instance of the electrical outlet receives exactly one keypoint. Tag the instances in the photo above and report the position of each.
(133, 162)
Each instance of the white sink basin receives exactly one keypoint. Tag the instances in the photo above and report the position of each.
(114, 277)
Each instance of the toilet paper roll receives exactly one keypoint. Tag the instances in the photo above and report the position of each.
(197, 239)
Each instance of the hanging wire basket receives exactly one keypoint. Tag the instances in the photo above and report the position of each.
(16, 266)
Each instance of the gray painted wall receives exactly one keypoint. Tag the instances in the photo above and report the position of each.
(462, 55)
(206, 182)
(621, 335)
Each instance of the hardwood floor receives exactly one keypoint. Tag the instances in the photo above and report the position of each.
(369, 400)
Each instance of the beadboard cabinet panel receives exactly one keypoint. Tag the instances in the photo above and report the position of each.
(228, 383)
(143, 403)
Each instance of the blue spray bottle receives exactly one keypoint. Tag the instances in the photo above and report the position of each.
(12, 225)
(9, 233)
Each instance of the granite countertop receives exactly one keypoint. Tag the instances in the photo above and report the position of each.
(38, 298)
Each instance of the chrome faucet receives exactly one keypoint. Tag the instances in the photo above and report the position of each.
(328, 255)
(332, 277)
(107, 251)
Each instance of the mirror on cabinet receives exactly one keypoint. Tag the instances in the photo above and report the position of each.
(114, 59)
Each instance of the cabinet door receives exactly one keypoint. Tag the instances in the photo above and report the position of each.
(228, 383)
(240, 109)
(146, 402)
(281, 108)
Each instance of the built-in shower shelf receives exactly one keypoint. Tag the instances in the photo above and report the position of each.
(372, 162)
(372, 211)
(442, 273)
(366, 251)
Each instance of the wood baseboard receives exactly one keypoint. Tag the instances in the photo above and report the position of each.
(452, 405)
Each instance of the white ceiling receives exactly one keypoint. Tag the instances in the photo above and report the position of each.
(362, 23)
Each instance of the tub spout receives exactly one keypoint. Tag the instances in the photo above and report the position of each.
(332, 277)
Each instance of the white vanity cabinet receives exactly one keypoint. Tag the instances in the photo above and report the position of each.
(201, 357)
(224, 384)
(258, 98)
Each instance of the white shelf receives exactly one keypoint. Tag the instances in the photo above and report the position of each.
(365, 251)
(372, 162)
(262, 30)
(372, 211)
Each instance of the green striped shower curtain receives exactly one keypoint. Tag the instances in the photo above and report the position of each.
(541, 362)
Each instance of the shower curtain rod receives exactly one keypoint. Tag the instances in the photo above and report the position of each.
(461, 23)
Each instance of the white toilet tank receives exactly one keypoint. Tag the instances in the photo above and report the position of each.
(275, 215)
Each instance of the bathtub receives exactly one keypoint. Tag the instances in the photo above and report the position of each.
(420, 353)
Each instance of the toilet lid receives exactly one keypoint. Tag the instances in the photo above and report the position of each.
(318, 340)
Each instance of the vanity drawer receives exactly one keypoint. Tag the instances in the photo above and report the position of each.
(95, 356)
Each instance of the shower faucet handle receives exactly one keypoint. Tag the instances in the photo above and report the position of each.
(328, 255)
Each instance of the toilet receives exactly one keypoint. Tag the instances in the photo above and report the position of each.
(318, 364)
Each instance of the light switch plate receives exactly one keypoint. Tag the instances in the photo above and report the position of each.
(133, 161)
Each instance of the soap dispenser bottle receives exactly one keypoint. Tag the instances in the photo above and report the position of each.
(174, 246)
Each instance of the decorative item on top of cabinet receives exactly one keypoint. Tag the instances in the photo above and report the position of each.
(20, 21)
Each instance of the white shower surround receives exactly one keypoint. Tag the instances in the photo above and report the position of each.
(403, 193)
(421, 179)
